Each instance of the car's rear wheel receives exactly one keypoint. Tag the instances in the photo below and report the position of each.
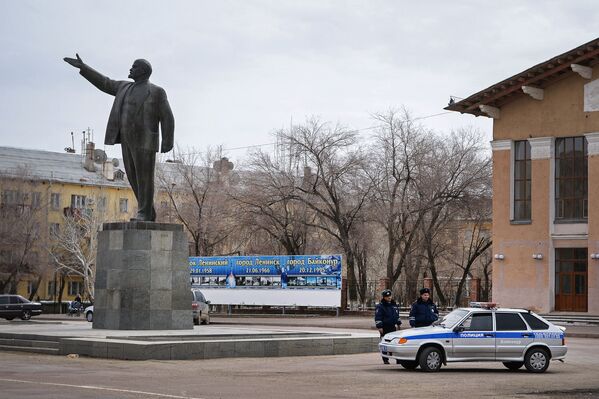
(430, 359)
(89, 316)
(513, 365)
(196, 321)
(206, 320)
(26, 315)
(536, 360)
(408, 364)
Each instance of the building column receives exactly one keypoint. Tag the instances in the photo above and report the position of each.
(593, 222)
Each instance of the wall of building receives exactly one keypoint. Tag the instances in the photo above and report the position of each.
(519, 279)
(559, 114)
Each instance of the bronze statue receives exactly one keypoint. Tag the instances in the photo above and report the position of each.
(133, 122)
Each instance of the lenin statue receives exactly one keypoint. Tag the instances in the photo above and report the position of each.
(138, 108)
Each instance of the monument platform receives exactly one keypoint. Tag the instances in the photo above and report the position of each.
(142, 277)
(203, 342)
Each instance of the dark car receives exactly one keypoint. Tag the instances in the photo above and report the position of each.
(12, 306)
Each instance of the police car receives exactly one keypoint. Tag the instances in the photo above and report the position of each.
(481, 332)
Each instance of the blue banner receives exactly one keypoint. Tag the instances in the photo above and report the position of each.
(298, 271)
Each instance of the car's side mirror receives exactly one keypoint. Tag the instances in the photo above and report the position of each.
(207, 302)
(458, 329)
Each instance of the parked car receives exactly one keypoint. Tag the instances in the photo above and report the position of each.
(89, 313)
(199, 306)
(515, 337)
(12, 306)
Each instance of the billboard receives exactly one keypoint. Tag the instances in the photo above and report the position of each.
(298, 280)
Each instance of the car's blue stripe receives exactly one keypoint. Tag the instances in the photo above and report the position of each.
(471, 335)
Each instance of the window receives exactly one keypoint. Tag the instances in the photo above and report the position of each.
(12, 197)
(123, 205)
(533, 322)
(36, 199)
(77, 201)
(3, 300)
(522, 180)
(510, 322)
(102, 204)
(51, 288)
(479, 322)
(75, 287)
(29, 287)
(54, 229)
(571, 178)
(55, 201)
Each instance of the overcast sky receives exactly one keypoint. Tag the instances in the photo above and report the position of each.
(235, 71)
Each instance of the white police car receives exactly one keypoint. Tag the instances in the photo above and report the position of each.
(481, 332)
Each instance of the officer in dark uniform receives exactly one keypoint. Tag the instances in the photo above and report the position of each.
(424, 312)
(386, 316)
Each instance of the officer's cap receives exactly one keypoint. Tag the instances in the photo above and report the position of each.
(425, 291)
(386, 293)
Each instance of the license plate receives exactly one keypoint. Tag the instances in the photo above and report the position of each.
(383, 348)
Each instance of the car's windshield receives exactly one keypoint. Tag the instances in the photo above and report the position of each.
(452, 318)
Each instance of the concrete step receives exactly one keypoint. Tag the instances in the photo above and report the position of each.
(29, 343)
(16, 348)
(566, 319)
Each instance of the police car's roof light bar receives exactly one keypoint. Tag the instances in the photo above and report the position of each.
(483, 305)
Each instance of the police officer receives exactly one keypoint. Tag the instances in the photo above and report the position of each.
(386, 316)
(424, 312)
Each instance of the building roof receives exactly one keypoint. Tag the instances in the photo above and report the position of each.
(52, 166)
(539, 77)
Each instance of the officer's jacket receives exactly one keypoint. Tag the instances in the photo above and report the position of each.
(386, 314)
(423, 313)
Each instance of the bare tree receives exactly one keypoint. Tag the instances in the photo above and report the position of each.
(336, 189)
(401, 152)
(22, 225)
(268, 204)
(73, 246)
(196, 186)
(474, 243)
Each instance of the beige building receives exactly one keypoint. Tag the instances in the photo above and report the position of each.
(545, 182)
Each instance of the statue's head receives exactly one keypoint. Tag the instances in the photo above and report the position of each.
(141, 69)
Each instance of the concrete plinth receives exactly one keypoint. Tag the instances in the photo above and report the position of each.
(142, 277)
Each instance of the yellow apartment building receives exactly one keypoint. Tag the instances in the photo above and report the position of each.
(545, 182)
(54, 183)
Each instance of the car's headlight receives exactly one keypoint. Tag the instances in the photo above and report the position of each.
(401, 341)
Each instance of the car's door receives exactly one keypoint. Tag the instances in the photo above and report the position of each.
(16, 305)
(4, 305)
(475, 339)
(512, 335)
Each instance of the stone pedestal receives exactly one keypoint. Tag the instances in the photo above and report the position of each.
(142, 277)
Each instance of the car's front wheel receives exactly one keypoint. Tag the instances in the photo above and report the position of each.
(513, 365)
(431, 359)
(536, 360)
(26, 315)
(89, 316)
(9, 318)
(408, 364)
